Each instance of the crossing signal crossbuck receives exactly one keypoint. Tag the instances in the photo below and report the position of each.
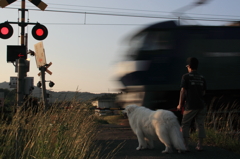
(38, 3)
(4, 3)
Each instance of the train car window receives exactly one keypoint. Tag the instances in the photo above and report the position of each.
(135, 44)
(157, 40)
(150, 41)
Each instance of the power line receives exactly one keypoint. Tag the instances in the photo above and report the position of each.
(128, 9)
(109, 8)
(102, 13)
(138, 15)
(107, 13)
(140, 10)
(114, 8)
(90, 24)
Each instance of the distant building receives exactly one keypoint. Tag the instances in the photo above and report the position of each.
(100, 104)
(104, 103)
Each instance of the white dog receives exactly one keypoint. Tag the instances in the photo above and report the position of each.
(149, 125)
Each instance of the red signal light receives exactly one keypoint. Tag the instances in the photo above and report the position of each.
(6, 30)
(39, 32)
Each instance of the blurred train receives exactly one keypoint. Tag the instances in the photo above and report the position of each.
(159, 54)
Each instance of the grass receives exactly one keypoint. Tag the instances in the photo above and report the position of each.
(223, 140)
(222, 125)
(114, 119)
(57, 133)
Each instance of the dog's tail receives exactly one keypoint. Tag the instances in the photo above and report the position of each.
(176, 137)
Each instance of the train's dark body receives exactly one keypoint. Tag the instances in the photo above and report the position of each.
(164, 48)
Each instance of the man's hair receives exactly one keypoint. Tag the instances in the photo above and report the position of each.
(193, 63)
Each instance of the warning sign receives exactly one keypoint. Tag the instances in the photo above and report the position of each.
(40, 54)
(13, 82)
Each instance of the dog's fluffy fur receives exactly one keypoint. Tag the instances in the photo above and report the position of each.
(149, 125)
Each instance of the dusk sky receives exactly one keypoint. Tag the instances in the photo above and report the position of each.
(87, 38)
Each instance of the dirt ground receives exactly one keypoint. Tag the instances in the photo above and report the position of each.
(111, 136)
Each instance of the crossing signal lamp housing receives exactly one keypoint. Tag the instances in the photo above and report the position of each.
(39, 32)
(51, 84)
(39, 84)
(6, 30)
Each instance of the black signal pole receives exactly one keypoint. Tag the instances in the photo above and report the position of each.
(20, 79)
(20, 84)
(21, 75)
(22, 21)
(44, 95)
(21, 61)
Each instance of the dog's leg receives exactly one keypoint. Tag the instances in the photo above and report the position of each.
(142, 143)
(167, 150)
(164, 138)
(150, 144)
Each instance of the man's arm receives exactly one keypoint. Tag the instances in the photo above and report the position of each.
(181, 98)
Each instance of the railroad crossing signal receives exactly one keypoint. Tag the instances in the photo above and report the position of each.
(39, 32)
(6, 30)
(51, 84)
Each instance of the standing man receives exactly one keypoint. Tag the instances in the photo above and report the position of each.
(193, 87)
